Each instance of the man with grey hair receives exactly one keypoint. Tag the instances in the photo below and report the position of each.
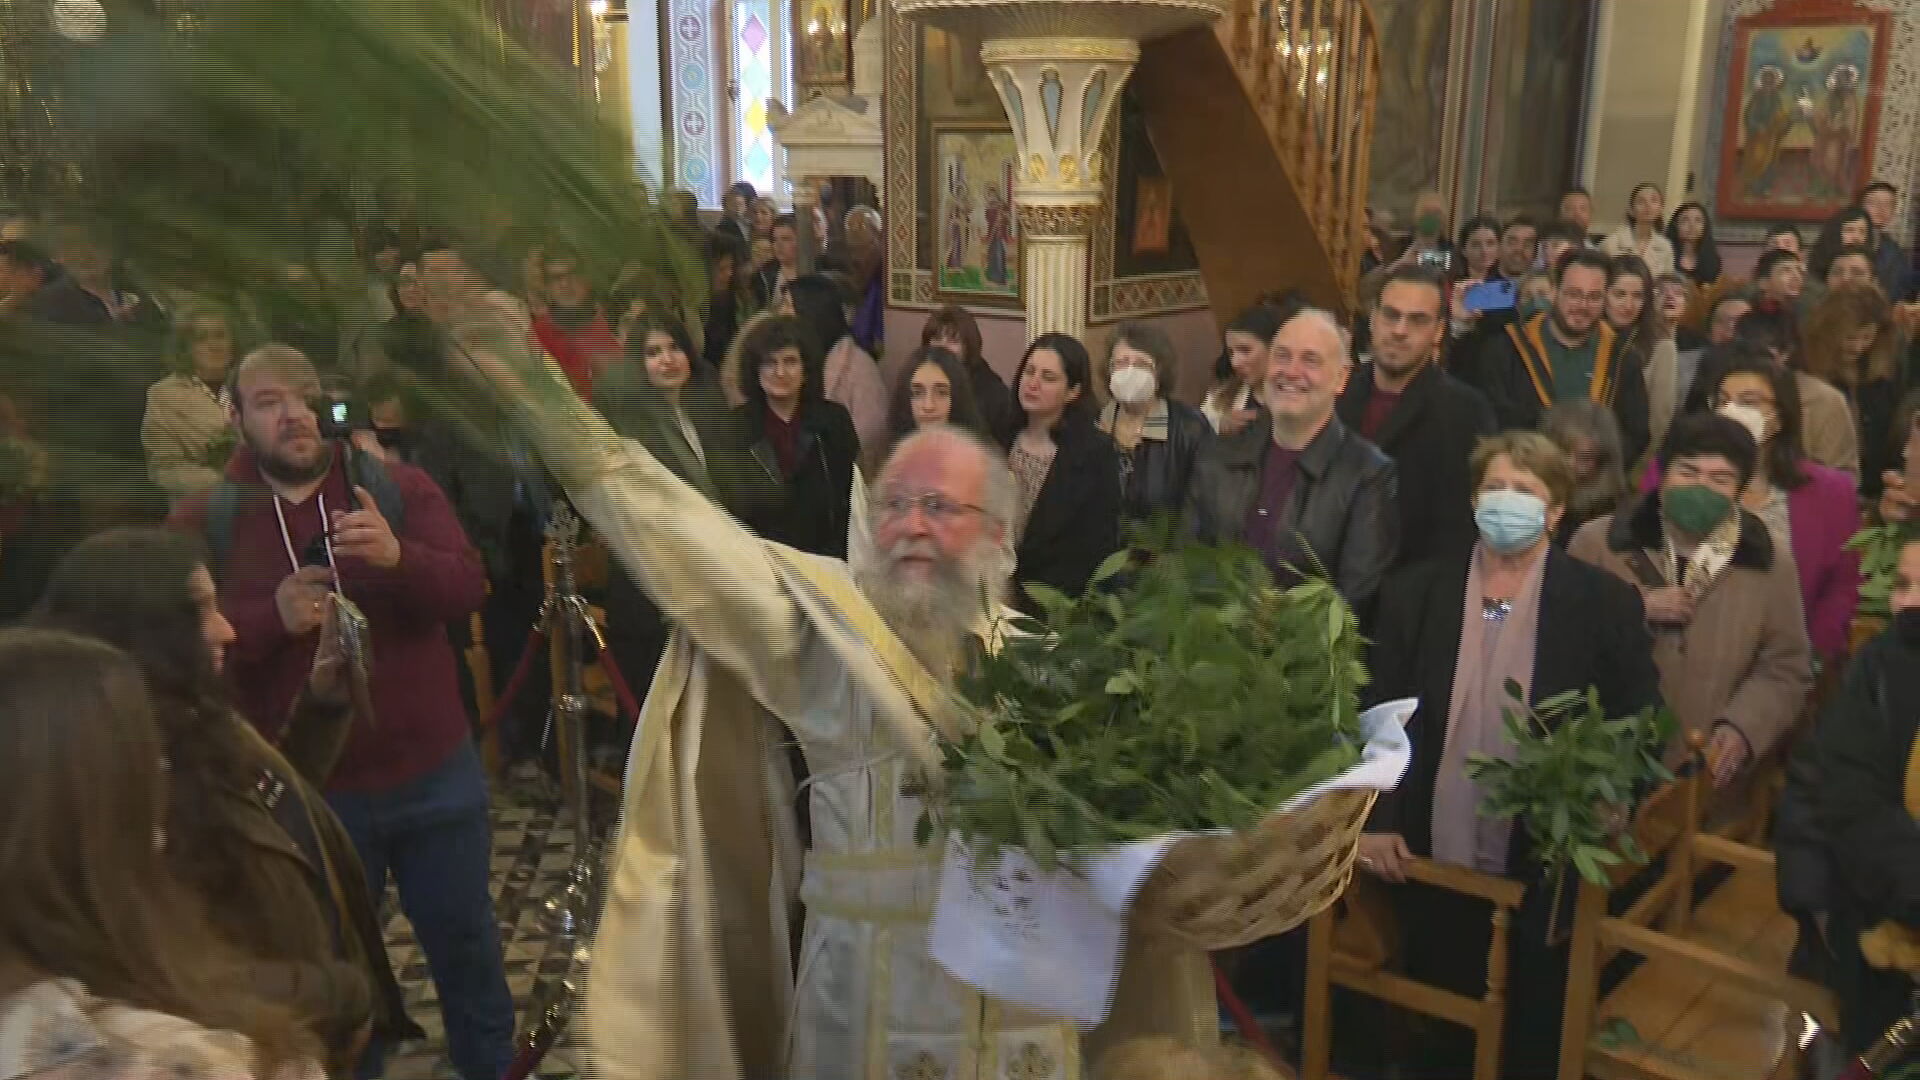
(1297, 485)
(693, 966)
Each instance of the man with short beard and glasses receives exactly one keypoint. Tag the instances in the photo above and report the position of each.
(293, 520)
(694, 967)
(1407, 404)
(1564, 353)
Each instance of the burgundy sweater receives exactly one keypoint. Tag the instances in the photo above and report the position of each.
(416, 694)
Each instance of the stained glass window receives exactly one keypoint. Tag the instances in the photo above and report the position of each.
(756, 67)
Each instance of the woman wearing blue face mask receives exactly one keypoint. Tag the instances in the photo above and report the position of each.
(1454, 632)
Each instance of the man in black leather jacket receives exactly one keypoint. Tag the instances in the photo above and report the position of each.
(1297, 485)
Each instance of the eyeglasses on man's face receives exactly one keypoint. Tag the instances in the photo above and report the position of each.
(938, 508)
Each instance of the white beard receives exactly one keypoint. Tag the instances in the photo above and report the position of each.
(934, 617)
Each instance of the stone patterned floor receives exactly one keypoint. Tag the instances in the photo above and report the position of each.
(532, 849)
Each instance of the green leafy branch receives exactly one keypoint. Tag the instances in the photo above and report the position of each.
(219, 449)
(1571, 778)
(1183, 691)
(1879, 547)
(21, 468)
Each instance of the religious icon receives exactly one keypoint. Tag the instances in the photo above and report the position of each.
(1152, 215)
(977, 251)
(1804, 107)
(822, 53)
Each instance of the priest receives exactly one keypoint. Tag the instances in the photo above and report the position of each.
(692, 967)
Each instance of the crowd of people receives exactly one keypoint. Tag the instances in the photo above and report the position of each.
(1539, 457)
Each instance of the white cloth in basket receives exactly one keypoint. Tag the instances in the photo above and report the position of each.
(1050, 941)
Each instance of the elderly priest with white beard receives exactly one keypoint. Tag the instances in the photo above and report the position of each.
(693, 972)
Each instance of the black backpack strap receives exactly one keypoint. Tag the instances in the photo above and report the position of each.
(223, 504)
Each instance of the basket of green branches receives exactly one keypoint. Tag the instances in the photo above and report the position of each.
(1185, 695)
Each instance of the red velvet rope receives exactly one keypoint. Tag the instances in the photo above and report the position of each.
(622, 693)
(535, 638)
(1243, 1019)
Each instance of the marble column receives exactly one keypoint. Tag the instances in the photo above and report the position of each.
(1058, 93)
(611, 80)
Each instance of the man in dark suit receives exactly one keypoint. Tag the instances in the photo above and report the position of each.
(1405, 403)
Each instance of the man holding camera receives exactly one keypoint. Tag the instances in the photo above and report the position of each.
(300, 514)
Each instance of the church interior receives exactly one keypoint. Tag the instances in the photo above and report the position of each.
(1088, 167)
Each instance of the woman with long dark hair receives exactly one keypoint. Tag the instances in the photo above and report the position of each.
(1848, 228)
(1067, 471)
(668, 400)
(1234, 399)
(1690, 232)
(934, 389)
(1479, 248)
(1634, 314)
(248, 830)
(954, 329)
(804, 443)
(108, 968)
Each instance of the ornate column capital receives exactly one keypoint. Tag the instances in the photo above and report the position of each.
(1058, 93)
(1056, 219)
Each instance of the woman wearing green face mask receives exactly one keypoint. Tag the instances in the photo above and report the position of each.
(1721, 595)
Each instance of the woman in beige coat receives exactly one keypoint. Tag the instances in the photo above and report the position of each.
(185, 431)
(1722, 600)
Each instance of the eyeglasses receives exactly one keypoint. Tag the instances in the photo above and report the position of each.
(1761, 402)
(1575, 296)
(936, 506)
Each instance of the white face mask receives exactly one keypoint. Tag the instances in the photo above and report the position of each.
(1131, 385)
(1750, 418)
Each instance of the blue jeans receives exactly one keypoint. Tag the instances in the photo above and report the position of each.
(433, 836)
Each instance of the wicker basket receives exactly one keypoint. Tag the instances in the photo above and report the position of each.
(1221, 892)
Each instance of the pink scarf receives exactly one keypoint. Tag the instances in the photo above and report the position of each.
(1491, 654)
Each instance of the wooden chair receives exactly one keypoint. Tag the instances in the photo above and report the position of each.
(1712, 997)
(1330, 965)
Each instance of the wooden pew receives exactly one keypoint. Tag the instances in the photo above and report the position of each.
(1711, 998)
(1330, 965)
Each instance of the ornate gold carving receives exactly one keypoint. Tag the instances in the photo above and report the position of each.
(924, 1066)
(1036, 169)
(1074, 219)
(1069, 169)
(1015, 50)
(1031, 1063)
(1094, 164)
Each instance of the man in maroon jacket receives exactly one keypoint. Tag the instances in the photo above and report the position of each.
(287, 523)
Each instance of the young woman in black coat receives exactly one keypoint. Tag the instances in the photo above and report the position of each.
(1067, 472)
(666, 398)
(803, 442)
